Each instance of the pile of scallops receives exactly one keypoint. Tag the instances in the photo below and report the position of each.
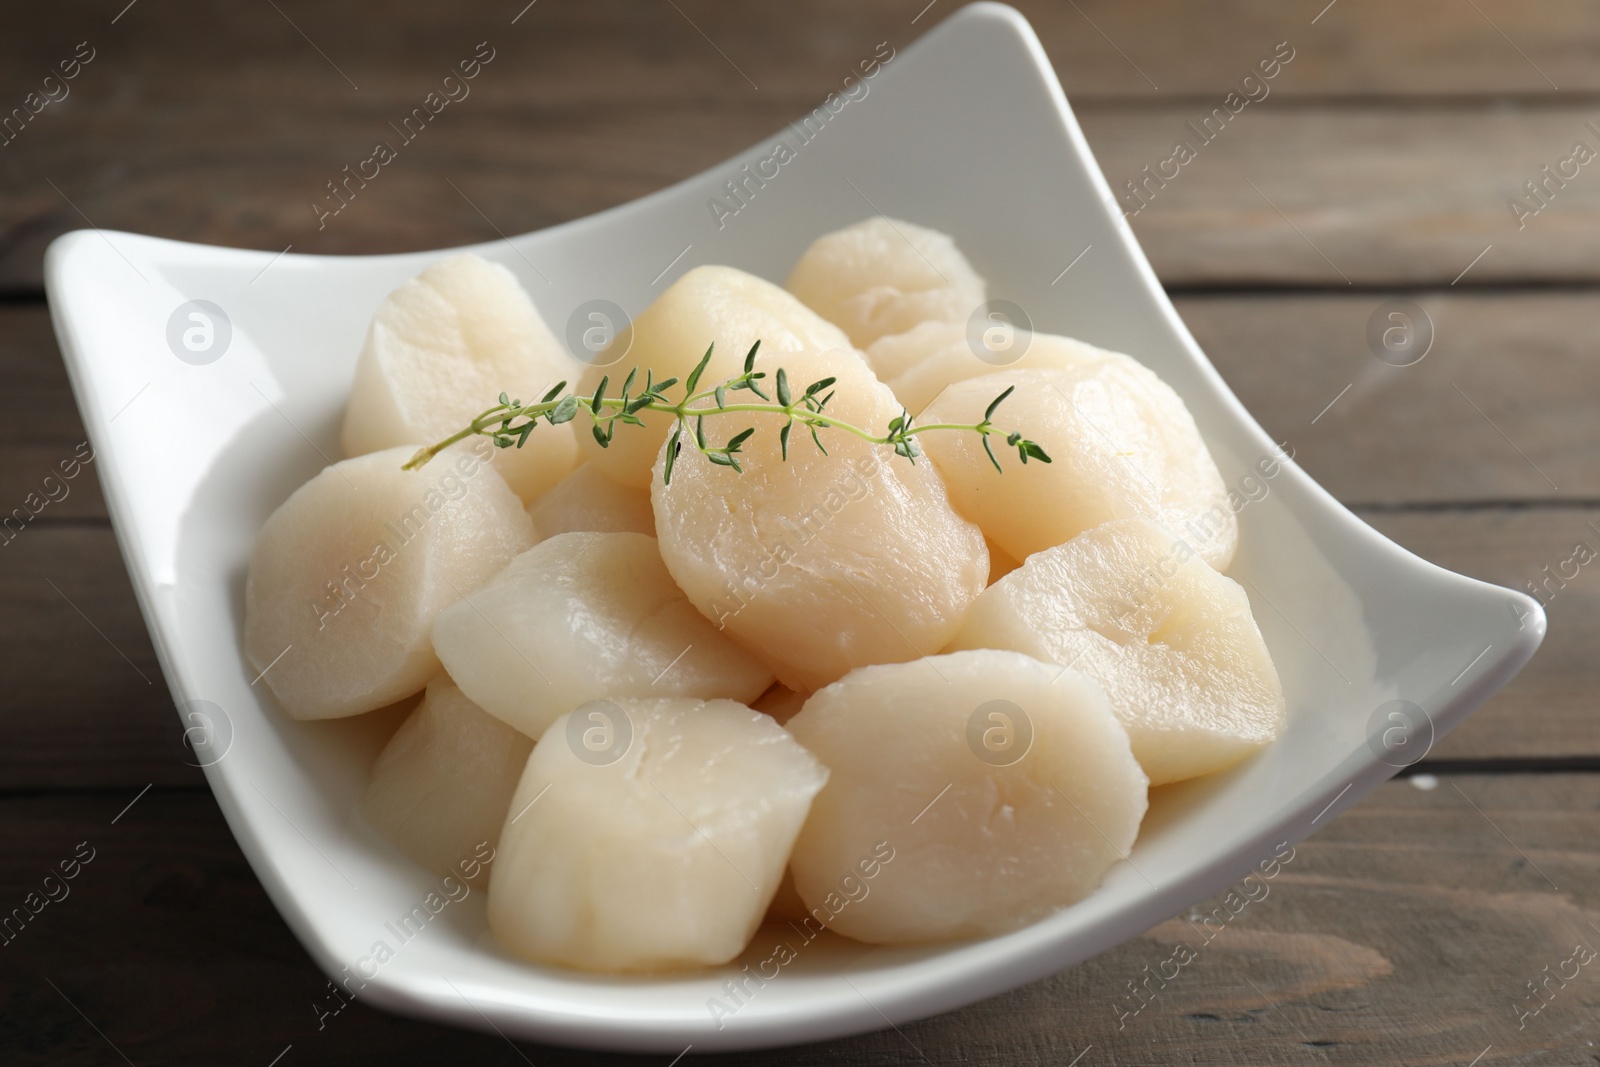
(908, 702)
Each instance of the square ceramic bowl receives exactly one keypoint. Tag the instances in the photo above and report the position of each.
(202, 426)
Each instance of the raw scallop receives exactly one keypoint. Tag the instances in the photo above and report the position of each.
(649, 835)
(588, 500)
(820, 563)
(896, 353)
(1172, 642)
(883, 276)
(347, 576)
(440, 788)
(968, 795)
(708, 304)
(952, 359)
(581, 616)
(1122, 444)
(441, 349)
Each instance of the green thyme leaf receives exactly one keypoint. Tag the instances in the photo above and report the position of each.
(673, 445)
(564, 411)
(510, 423)
(989, 412)
(700, 368)
(990, 450)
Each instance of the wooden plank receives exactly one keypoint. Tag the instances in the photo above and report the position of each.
(611, 51)
(42, 437)
(86, 704)
(1351, 49)
(1499, 409)
(1548, 709)
(1285, 194)
(1405, 931)
(1377, 196)
(79, 714)
(224, 130)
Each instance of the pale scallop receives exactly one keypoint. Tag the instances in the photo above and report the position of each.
(896, 353)
(582, 616)
(706, 305)
(1172, 642)
(659, 848)
(441, 349)
(588, 500)
(884, 276)
(347, 575)
(952, 358)
(1122, 444)
(820, 563)
(440, 788)
(969, 795)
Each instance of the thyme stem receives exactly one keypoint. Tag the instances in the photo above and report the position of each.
(510, 421)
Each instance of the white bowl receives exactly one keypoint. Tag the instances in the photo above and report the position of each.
(967, 132)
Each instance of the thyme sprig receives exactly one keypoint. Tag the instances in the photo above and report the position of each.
(510, 421)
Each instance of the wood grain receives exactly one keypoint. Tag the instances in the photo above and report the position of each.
(79, 714)
(1405, 931)
(86, 704)
(1549, 709)
(1285, 195)
(223, 126)
(1500, 408)
(1364, 196)
(39, 430)
(1352, 49)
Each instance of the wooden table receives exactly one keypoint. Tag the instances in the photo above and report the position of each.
(1412, 929)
